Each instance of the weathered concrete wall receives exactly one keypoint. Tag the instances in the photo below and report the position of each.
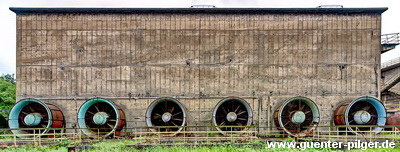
(66, 59)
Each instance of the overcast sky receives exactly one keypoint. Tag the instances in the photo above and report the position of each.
(390, 23)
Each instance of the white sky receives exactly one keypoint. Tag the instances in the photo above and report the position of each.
(390, 22)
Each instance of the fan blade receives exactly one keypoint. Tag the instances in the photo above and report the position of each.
(90, 112)
(239, 124)
(222, 123)
(95, 106)
(30, 108)
(178, 119)
(24, 113)
(112, 120)
(366, 108)
(307, 112)
(110, 125)
(241, 119)
(286, 123)
(237, 108)
(224, 111)
(351, 121)
(174, 123)
(177, 113)
(302, 107)
(171, 109)
(242, 112)
(157, 116)
(43, 125)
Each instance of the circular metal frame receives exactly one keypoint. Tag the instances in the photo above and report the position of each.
(377, 115)
(227, 112)
(33, 113)
(166, 111)
(298, 117)
(99, 114)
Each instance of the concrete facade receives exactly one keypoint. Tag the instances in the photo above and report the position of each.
(65, 57)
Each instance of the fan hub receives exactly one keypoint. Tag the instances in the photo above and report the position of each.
(166, 117)
(298, 117)
(231, 116)
(100, 118)
(33, 119)
(362, 117)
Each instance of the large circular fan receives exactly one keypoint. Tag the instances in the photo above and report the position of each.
(33, 114)
(100, 117)
(166, 115)
(359, 112)
(298, 116)
(231, 112)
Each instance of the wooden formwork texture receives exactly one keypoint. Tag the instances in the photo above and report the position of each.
(197, 58)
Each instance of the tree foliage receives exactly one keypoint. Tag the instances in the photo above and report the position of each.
(9, 78)
(7, 94)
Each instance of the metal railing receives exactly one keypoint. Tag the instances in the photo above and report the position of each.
(36, 137)
(390, 63)
(188, 135)
(204, 135)
(394, 105)
(193, 135)
(362, 132)
(392, 38)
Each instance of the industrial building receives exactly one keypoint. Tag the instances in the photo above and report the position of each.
(276, 68)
